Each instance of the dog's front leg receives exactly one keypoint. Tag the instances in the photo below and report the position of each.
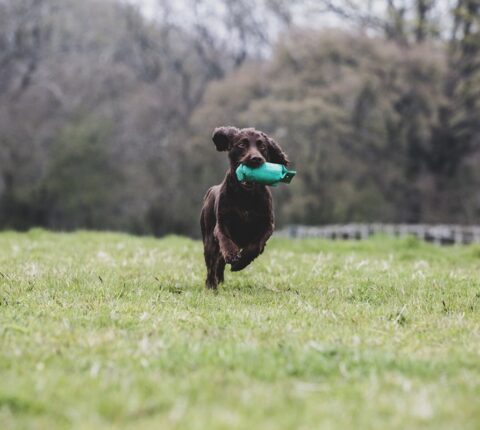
(253, 250)
(268, 233)
(230, 251)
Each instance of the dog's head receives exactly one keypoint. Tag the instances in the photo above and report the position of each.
(248, 146)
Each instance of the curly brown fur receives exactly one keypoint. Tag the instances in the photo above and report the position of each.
(237, 218)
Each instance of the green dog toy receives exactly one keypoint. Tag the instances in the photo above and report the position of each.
(266, 174)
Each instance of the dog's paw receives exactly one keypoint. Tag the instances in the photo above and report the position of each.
(240, 264)
(243, 262)
(233, 258)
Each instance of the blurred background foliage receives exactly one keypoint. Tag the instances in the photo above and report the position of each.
(106, 112)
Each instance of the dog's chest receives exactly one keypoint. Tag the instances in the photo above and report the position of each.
(244, 225)
(247, 215)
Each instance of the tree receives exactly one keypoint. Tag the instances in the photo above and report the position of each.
(356, 114)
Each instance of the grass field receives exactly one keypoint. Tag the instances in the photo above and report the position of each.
(103, 330)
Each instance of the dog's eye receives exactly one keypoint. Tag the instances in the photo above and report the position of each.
(260, 144)
(243, 143)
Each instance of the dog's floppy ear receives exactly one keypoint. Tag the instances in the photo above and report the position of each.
(223, 137)
(275, 153)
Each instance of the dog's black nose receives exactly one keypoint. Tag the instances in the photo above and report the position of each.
(256, 161)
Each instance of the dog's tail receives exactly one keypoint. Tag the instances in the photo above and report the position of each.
(207, 194)
(210, 191)
(203, 221)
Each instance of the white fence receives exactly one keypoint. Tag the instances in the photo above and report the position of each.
(439, 234)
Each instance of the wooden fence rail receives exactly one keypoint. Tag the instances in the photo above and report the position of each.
(439, 234)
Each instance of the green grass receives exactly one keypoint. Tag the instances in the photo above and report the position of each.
(103, 330)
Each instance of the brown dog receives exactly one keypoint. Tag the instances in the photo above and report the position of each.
(237, 218)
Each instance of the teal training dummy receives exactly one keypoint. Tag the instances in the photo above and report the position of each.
(266, 174)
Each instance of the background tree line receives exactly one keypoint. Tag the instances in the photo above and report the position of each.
(106, 114)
